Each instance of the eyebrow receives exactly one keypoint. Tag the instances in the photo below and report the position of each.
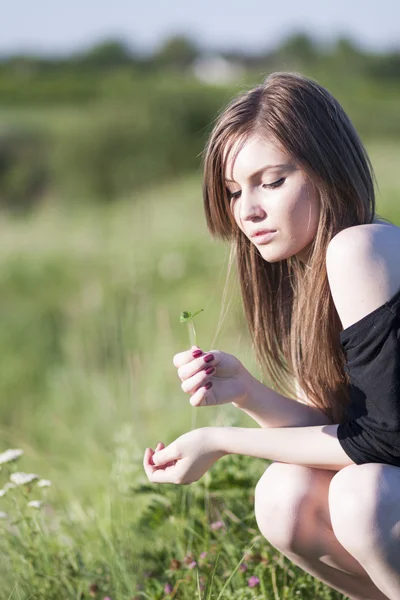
(261, 171)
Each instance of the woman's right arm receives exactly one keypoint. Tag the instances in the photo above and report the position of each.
(270, 409)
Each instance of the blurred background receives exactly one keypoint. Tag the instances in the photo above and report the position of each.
(104, 112)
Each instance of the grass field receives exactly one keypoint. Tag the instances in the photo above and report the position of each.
(90, 301)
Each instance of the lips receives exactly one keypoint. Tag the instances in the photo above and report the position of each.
(260, 232)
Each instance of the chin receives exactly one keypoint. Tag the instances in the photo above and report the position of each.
(272, 256)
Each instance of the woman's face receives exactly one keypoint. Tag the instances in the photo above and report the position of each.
(269, 191)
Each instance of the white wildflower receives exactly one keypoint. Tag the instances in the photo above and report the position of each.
(7, 486)
(10, 455)
(35, 503)
(23, 478)
(3, 515)
(43, 483)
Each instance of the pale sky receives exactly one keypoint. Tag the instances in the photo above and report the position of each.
(54, 27)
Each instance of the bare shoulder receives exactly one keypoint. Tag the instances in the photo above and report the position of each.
(363, 269)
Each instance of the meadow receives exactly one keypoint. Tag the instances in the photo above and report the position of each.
(90, 300)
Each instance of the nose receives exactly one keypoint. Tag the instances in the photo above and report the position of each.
(250, 205)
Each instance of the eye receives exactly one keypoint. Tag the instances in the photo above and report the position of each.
(232, 195)
(275, 184)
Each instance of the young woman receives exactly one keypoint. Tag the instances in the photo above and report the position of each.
(288, 182)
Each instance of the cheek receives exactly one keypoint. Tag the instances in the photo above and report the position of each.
(303, 211)
(234, 209)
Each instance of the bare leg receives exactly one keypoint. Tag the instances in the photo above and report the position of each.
(355, 587)
(292, 512)
(364, 503)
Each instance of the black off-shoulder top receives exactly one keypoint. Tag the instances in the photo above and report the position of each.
(371, 431)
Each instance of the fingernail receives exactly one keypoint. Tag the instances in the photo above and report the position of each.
(209, 358)
(210, 370)
(197, 353)
(208, 385)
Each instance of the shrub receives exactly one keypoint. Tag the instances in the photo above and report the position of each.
(24, 171)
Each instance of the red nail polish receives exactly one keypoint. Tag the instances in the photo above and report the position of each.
(208, 385)
(197, 353)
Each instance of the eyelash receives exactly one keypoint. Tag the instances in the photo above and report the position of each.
(273, 185)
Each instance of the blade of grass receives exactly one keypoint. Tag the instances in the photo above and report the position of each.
(207, 591)
(233, 572)
(198, 584)
(274, 586)
(263, 588)
(12, 591)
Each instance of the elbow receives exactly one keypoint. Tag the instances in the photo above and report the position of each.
(364, 446)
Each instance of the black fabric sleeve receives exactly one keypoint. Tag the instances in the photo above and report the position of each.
(371, 432)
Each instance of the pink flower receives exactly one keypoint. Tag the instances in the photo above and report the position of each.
(217, 525)
(253, 581)
(192, 564)
(188, 558)
(203, 554)
(167, 588)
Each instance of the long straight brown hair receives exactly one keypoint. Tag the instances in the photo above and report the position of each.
(288, 305)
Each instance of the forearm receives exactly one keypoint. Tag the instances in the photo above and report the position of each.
(270, 409)
(316, 446)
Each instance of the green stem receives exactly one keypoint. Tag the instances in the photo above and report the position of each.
(192, 333)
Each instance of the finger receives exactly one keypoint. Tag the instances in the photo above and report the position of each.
(166, 455)
(203, 397)
(196, 365)
(167, 475)
(190, 386)
(182, 358)
(147, 463)
(160, 446)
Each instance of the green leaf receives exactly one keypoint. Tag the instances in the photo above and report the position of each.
(188, 316)
(185, 316)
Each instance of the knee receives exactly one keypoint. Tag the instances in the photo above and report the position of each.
(353, 506)
(280, 499)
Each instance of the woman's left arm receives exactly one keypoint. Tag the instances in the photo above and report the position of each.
(192, 454)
